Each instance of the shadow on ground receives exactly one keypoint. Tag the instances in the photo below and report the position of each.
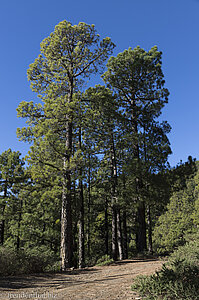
(134, 260)
(41, 280)
(60, 280)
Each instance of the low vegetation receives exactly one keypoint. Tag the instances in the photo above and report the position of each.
(177, 234)
(178, 279)
(105, 260)
(27, 261)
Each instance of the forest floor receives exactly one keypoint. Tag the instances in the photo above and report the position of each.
(96, 283)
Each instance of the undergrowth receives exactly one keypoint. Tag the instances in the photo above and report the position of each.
(177, 280)
(104, 261)
(36, 260)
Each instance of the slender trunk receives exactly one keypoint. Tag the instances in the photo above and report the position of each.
(2, 226)
(76, 219)
(150, 242)
(2, 222)
(19, 225)
(66, 249)
(89, 206)
(114, 199)
(81, 229)
(66, 224)
(141, 221)
(125, 238)
(141, 230)
(106, 226)
(119, 236)
(81, 216)
(114, 233)
(43, 232)
(55, 243)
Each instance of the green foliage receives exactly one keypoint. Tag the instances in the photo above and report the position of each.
(97, 236)
(189, 252)
(178, 219)
(25, 261)
(178, 279)
(115, 125)
(179, 282)
(104, 261)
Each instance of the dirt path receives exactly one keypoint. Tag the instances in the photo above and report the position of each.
(100, 283)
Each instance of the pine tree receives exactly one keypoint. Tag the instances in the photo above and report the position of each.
(137, 79)
(68, 55)
(12, 176)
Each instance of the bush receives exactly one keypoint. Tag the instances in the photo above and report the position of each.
(9, 262)
(178, 279)
(177, 282)
(189, 252)
(104, 261)
(40, 259)
(172, 227)
(27, 261)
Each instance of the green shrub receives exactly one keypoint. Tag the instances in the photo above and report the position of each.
(40, 259)
(178, 279)
(189, 252)
(9, 262)
(35, 260)
(172, 227)
(104, 261)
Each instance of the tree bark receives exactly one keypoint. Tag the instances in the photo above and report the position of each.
(66, 224)
(125, 238)
(114, 233)
(81, 229)
(66, 249)
(141, 221)
(89, 206)
(75, 197)
(119, 236)
(19, 225)
(2, 222)
(114, 199)
(81, 216)
(150, 241)
(2, 226)
(141, 230)
(106, 227)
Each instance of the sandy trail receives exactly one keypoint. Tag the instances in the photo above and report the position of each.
(100, 283)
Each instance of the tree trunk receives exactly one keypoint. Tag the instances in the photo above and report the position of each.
(81, 216)
(150, 242)
(125, 238)
(19, 225)
(141, 231)
(114, 233)
(81, 229)
(66, 224)
(106, 227)
(114, 198)
(89, 207)
(150, 246)
(2, 226)
(2, 222)
(75, 197)
(66, 249)
(141, 222)
(119, 235)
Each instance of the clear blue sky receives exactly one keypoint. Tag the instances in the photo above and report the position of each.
(172, 25)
